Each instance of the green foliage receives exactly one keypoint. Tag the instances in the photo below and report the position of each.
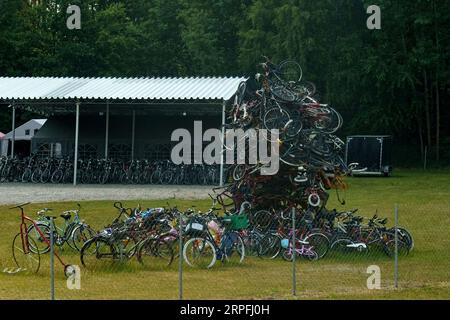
(375, 78)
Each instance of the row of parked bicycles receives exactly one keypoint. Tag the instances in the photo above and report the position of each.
(155, 237)
(103, 171)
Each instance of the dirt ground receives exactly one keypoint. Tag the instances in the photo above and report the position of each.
(13, 193)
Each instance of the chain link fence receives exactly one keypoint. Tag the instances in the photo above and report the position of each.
(332, 254)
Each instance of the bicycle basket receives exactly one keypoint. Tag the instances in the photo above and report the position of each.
(195, 227)
(236, 222)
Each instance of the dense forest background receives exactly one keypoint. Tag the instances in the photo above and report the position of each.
(389, 81)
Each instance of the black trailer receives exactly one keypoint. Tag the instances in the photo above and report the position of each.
(371, 152)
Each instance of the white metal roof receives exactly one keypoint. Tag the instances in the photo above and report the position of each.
(49, 88)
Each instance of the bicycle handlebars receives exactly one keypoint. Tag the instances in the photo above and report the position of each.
(20, 205)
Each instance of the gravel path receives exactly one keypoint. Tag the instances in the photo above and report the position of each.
(13, 193)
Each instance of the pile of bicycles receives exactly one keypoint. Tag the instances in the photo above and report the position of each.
(153, 236)
(101, 171)
(310, 153)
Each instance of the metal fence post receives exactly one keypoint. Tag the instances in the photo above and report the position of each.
(396, 248)
(52, 263)
(180, 262)
(294, 253)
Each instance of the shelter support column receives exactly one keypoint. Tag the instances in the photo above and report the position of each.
(75, 158)
(13, 120)
(133, 130)
(107, 130)
(222, 156)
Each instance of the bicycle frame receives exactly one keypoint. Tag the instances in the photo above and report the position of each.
(24, 236)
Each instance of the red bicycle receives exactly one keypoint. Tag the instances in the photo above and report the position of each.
(25, 258)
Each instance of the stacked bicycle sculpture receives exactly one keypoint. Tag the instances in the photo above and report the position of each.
(309, 152)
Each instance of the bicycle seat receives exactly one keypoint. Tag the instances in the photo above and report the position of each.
(383, 221)
(66, 215)
(51, 217)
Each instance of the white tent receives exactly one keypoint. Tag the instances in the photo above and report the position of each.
(24, 132)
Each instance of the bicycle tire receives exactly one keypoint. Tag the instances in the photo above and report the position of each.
(289, 71)
(155, 252)
(234, 253)
(36, 176)
(270, 246)
(275, 119)
(200, 248)
(319, 242)
(30, 261)
(45, 176)
(57, 176)
(261, 220)
(405, 236)
(26, 176)
(45, 229)
(79, 236)
(166, 177)
(91, 248)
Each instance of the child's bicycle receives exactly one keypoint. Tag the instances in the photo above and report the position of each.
(24, 257)
(302, 248)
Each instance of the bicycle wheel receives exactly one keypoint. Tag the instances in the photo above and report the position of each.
(261, 220)
(240, 93)
(39, 244)
(303, 89)
(405, 236)
(252, 244)
(36, 176)
(270, 246)
(155, 177)
(126, 247)
(97, 254)
(402, 247)
(26, 176)
(23, 257)
(281, 92)
(79, 236)
(287, 253)
(86, 177)
(239, 172)
(311, 255)
(233, 247)
(275, 119)
(293, 156)
(294, 126)
(45, 176)
(329, 121)
(155, 253)
(166, 177)
(200, 253)
(103, 177)
(319, 243)
(290, 71)
(57, 176)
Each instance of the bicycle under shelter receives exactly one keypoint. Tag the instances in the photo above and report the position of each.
(99, 110)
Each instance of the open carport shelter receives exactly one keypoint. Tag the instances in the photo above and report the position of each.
(120, 117)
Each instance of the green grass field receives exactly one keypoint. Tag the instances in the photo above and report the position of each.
(424, 208)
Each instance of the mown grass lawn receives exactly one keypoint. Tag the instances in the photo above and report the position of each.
(423, 199)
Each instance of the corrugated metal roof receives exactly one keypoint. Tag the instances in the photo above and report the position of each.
(48, 88)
